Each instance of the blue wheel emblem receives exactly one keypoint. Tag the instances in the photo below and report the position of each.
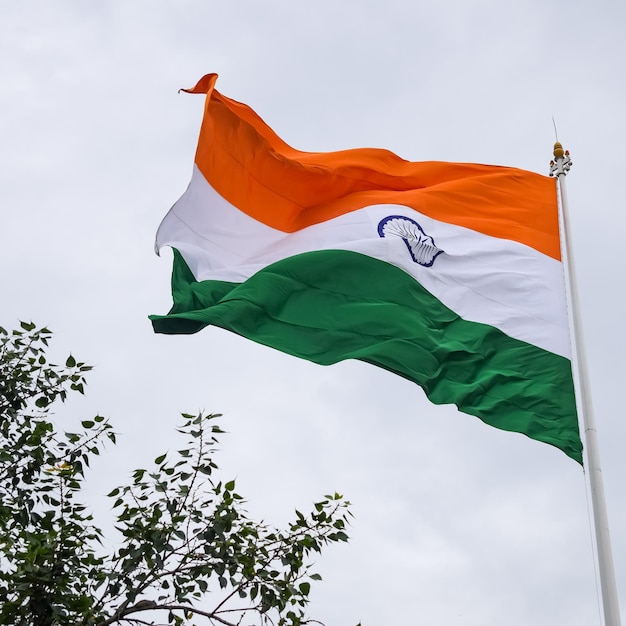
(421, 246)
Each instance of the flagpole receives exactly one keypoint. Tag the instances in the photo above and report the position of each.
(610, 602)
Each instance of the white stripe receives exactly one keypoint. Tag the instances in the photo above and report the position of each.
(483, 279)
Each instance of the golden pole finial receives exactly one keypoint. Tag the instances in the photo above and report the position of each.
(558, 150)
(562, 161)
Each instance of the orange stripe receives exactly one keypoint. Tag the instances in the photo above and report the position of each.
(248, 164)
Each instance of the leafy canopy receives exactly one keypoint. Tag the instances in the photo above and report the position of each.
(186, 551)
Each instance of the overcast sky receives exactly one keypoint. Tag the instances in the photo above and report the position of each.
(455, 522)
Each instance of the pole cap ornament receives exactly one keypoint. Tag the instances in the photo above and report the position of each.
(562, 161)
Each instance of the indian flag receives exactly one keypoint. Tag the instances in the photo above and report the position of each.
(447, 274)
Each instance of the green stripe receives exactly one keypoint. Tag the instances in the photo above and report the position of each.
(329, 306)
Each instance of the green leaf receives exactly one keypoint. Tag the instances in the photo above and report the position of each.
(70, 362)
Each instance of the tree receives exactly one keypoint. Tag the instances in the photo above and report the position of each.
(182, 532)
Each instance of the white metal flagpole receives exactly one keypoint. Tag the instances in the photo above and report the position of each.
(610, 601)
